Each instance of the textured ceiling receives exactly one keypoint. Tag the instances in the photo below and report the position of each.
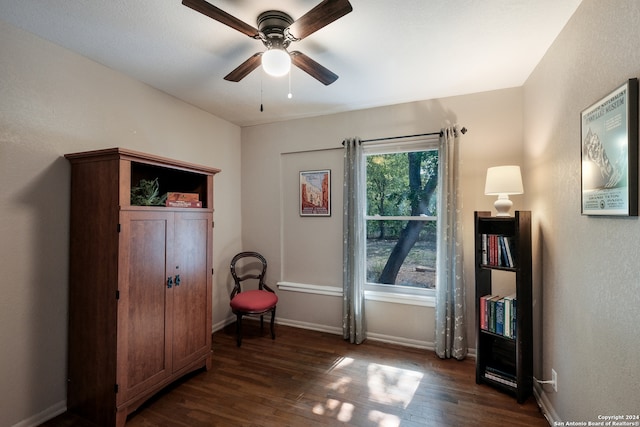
(385, 52)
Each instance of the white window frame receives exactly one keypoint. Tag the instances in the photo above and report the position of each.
(394, 293)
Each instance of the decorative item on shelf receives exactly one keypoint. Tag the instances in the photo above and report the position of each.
(183, 200)
(503, 181)
(147, 193)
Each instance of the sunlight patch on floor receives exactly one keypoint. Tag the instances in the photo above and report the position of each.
(330, 407)
(340, 385)
(384, 420)
(391, 385)
(346, 412)
(388, 386)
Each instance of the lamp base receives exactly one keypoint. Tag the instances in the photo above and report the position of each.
(503, 205)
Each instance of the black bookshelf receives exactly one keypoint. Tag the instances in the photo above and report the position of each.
(504, 359)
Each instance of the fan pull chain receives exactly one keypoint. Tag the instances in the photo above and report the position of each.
(289, 95)
(261, 107)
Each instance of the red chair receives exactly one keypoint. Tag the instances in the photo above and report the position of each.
(252, 302)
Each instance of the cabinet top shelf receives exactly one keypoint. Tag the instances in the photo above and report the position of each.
(137, 179)
(135, 156)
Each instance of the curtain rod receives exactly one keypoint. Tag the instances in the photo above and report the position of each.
(463, 131)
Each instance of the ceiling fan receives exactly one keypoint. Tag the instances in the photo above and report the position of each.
(277, 30)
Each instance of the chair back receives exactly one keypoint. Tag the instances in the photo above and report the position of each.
(247, 264)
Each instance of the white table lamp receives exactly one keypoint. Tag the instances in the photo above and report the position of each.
(502, 181)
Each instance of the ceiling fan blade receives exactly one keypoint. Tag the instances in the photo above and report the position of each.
(245, 68)
(318, 17)
(221, 16)
(311, 67)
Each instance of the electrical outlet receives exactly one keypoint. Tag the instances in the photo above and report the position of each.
(554, 380)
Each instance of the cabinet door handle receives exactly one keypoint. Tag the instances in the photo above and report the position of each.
(178, 280)
(169, 282)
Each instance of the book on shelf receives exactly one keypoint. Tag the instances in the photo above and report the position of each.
(493, 250)
(509, 316)
(500, 376)
(500, 320)
(491, 308)
(484, 245)
(514, 304)
(484, 313)
(498, 314)
(509, 256)
(497, 251)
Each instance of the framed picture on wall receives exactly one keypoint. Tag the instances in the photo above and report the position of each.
(315, 193)
(609, 146)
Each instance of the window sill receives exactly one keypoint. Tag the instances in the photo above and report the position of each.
(390, 297)
(310, 289)
(398, 298)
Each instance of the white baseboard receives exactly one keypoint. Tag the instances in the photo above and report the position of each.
(407, 342)
(310, 326)
(426, 345)
(223, 323)
(545, 405)
(370, 336)
(49, 413)
(279, 321)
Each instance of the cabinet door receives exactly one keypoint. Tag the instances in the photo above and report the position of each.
(144, 356)
(191, 317)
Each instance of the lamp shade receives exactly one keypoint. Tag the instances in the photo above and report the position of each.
(276, 62)
(503, 180)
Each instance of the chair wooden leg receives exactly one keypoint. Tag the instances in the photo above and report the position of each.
(273, 318)
(261, 323)
(239, 329)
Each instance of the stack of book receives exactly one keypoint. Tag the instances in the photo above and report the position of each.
(183, 200)
(497, 251)
(498, 315)
(500, 376)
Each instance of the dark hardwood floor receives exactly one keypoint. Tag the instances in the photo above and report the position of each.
(308, 378)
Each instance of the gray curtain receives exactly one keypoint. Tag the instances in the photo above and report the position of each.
(451, 340)
(354, 275)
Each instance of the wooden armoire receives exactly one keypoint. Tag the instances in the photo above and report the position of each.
(139, 281)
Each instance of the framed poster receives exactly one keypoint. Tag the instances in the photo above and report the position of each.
(315, 193)
(609, 139)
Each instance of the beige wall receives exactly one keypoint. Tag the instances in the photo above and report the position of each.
(587, 269)
(54, 102)
(587, 291)
(273, 154)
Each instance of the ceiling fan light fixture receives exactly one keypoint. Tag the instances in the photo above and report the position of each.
(277, 30)
(276, 62)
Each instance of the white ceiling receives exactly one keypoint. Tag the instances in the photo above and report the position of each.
(385, 52)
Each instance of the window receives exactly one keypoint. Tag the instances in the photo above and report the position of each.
(402, 191)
